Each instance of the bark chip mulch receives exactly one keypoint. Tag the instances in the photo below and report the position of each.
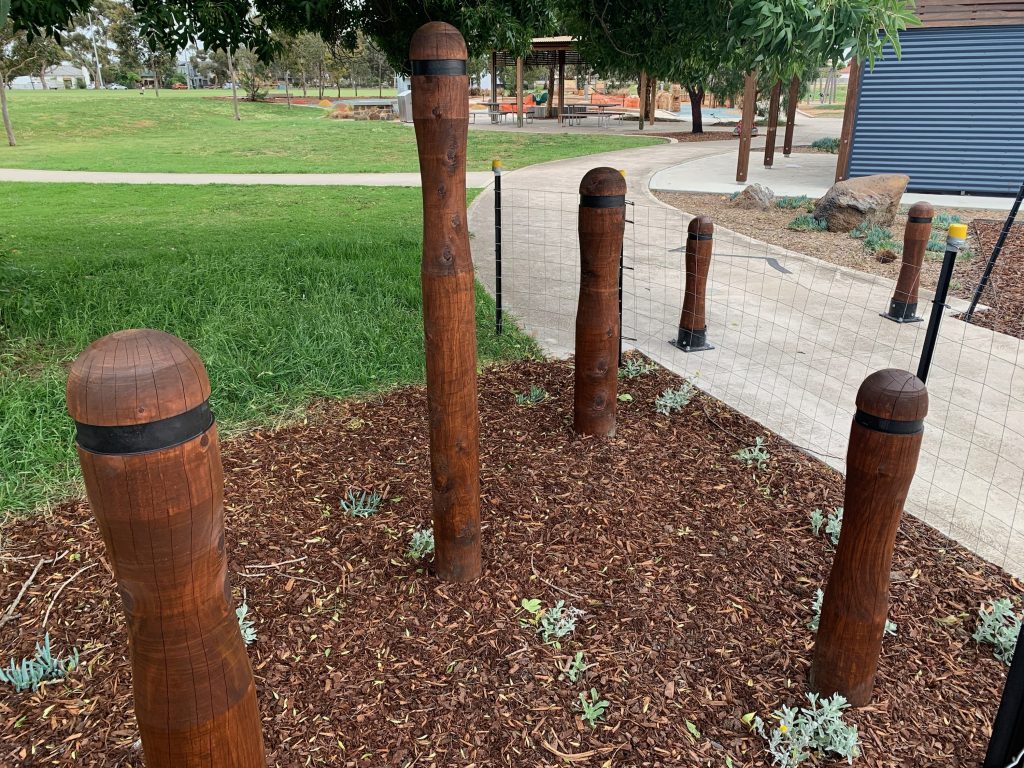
(695, 573)
(688, 136)
(1003, 298)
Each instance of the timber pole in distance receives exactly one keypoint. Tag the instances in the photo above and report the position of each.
(903, 307)
(693, 326)
(746, 126)
(149, 453)
(794, 97)
(440, 107)
(885, 441)
(773, 124)
(602, 223)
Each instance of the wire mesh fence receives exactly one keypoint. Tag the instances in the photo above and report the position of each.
(793, 339)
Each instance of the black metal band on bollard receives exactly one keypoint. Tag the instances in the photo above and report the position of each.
(692, 340)
(602, 201)
(699, 236)
(888, 426)
(439, 67)
(919, 219)
(143, 438)
(902, 312)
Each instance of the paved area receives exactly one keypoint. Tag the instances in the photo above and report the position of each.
(802, 173)
(794, 338)
(476, 179)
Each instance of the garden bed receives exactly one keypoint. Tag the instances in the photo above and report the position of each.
(696, 575)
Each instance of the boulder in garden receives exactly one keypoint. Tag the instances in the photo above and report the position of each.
(872, 199)
(755, 196)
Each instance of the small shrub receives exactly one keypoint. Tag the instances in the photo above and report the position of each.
(805, 222)
(40, 668)
(634, 367)
(593, 708)
(878, 238)
(552, 624)
(672, 400)
(793, 203)
(860, 230)
(574, 669)
(815, 622)
(828, 144)
(999, 626)
(809, 732)
(364, 505)
(936, 244)
(534, 396)
(833, 523)
(755, 455)
(245, 625)
(941, 221)
(421, 544)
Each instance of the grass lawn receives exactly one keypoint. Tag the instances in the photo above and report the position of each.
(287, 293)
(183, 131)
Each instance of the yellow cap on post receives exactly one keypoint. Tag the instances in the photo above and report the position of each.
(622, 172)
(495, 164)
(959, 231)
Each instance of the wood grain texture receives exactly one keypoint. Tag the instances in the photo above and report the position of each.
(773, 124)
(161, 515)
(915, 241)
(849, 118)
(794, 97)
(879, 469)
(597, 312)
(746, 126)
(698, 262)
(441, 118)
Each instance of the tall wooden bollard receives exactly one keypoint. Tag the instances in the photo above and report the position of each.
(903, 307)
(885, 440)
(602, 225)
(693, 326)
(148, 448)
(440, 110)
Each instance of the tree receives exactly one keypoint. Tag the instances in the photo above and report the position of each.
(17, 56)
(252, 74)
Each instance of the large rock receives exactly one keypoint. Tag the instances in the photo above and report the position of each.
(874, 199)
(755, 196)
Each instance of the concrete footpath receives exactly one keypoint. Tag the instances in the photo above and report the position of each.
(794, 337)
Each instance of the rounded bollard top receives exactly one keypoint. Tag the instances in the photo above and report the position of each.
(437, 41)
(701, 225)
(135, 377)
(893, 395)
(603, 182)
(921, 210)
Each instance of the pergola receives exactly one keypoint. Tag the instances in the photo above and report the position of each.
(551, 52)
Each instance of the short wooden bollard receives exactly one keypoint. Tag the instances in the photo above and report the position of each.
(148, 448)
(602, 224)
(440, 108)
(885, 440)
(903, 307)
(693, 326)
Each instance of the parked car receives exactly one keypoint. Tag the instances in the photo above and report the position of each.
(179, 87)
(116, 87)
(228, 86)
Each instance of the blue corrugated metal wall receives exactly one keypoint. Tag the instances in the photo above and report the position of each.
(950, 113)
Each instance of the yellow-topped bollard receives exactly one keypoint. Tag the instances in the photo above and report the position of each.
(956, 238)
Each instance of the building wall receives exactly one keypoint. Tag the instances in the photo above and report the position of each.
(949, 113)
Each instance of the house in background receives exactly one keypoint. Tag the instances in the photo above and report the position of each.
(950, 112)
(60, 77)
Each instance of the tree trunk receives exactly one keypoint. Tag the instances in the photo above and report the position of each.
(156, 77)
(338, 84)
(304, 84)
(288, 93)
(696, 94)
(234, 90)
(7, 117)
(42, 77)
(642, 95)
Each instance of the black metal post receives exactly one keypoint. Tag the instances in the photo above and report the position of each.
(1006, 750)
(996, 250)
(954, 242)
(622, 262)
(496, 167)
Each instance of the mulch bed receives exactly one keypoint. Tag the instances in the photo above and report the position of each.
(696, 577)
(1004, 295)
(687, 136)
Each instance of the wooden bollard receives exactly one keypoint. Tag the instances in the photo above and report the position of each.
(440, 109)
(148, 448)
(693, 326)
(903, 307)
(602, 224)
(885, 440)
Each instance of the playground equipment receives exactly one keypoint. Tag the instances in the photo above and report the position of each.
(148, 447)
(885, 441)
(602, 222)
(903, 307)
(693, 327)
(440, 106)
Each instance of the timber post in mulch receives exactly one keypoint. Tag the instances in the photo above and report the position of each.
(885, 441)
(149, 453)
(693, 326)
(440, 108)
(903, 307)
(602, 224)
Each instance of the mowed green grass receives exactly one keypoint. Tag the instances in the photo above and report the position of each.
(193, 132)
(287, 293)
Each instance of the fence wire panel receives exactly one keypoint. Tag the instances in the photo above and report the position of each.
(794, 338)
